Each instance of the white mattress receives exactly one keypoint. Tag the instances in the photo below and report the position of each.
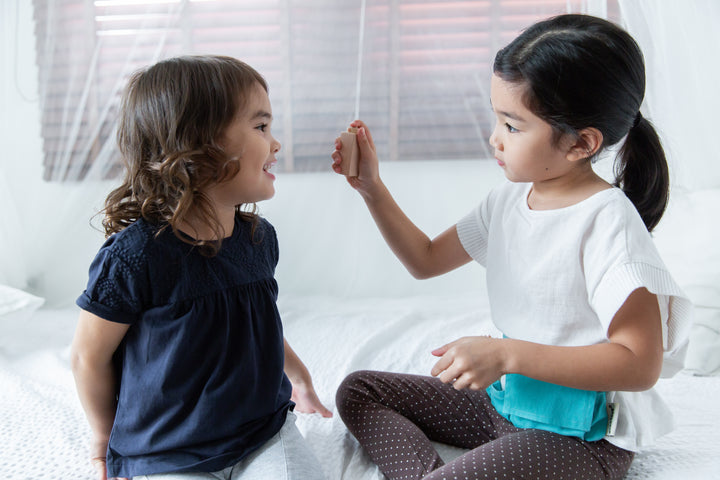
(43, 432)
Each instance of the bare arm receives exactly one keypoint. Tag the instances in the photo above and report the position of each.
(303, 392)
(630, 361)
(422, 256)
(93, 346)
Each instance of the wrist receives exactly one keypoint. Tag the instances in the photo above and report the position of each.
(299, 377)
(373, 191)
(508, 357)
(98, 446)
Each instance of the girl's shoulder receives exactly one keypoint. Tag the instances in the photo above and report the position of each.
(133, 237)
(613, 207)
(133, 245)
(616, 230)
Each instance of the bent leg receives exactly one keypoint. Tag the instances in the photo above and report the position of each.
(536, 454)
(395, 417)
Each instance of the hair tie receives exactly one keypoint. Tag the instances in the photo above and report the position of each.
(638, 117)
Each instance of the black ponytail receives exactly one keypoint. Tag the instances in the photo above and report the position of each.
(582, 71)
(641, 170)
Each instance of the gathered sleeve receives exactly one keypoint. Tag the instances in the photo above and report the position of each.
(628, 261)
(114, 285)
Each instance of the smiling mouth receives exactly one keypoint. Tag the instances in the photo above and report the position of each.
(268, 166)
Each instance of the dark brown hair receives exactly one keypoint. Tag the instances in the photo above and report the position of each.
(582, 71)
(172, 115)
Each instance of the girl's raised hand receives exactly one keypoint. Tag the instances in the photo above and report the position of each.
(469, 362)
(368, 171)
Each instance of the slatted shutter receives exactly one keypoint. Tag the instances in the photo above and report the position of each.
(424, 71)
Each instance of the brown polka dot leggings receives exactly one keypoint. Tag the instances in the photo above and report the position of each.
(396, 416)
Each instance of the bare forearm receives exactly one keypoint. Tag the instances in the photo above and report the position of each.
(303, 391)
(96, 387)
(295, 369)
(603, 367)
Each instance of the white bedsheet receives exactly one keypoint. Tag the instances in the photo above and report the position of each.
(43, 432)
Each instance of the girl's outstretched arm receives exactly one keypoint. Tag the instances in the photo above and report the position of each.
(630, 361)
(303, 392)
(422, 256)
(93, 346)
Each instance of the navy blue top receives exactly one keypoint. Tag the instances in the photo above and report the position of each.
(201, 381)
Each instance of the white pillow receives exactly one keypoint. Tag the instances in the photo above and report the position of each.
(687, 238)
(16, 305)
(703, 356)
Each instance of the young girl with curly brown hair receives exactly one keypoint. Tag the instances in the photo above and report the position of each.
(179, 356)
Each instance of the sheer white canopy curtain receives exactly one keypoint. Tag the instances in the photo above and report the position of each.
(680, 41)
(416, 70)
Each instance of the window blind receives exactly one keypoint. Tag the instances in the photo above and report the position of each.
(424, 71)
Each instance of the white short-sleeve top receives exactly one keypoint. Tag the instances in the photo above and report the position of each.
(557, 277)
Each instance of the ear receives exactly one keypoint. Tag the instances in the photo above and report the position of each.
(586, 144)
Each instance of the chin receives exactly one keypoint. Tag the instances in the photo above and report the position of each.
(267, 195)
(256, 197)
(516, 178)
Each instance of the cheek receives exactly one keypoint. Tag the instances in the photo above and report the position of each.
(551, 160)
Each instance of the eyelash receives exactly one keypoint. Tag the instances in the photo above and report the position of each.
(510, 128)
(262, 127)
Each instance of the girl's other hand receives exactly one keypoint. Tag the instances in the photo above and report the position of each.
(101, 469)
(307, 401)
(97, 450)
(98, 447)
(368, 170)
(469, 362)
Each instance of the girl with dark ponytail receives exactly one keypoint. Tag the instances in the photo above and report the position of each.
(579, 72)
(589, 314)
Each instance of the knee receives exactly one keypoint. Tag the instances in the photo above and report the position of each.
(351, 389)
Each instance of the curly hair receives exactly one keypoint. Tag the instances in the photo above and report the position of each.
(171, 116)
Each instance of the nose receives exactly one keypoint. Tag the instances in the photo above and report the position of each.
(494, 142)
(275, 145)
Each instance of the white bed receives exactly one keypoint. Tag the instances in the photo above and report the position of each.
(43, 432)
(352, 306)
